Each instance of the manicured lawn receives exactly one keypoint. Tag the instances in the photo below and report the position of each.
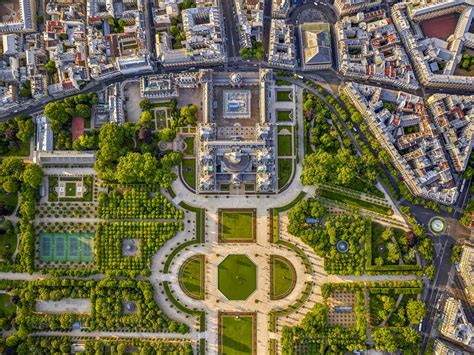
(8, 241)
(191, 277)
(70, 189)
(189, 145)
(379, 246)
(284, 171)
(337, 196)
(189, 172)
(236, 334)
(7, 309)
(237, 225)
(160, 119)
(283, 116)
(53, 182)
(283, 277)
(283, 95)
(284, 146)
(9, 201)
(237, 277)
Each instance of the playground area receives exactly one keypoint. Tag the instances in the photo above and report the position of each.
(66, 247)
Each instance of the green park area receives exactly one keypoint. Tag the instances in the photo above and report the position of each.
(189, 172)
(66, 247)
(191, 277)
(237, 225)
(284, 171)
(70, 185)
(8, 240)
(284, 145)
(355, 202)
(283, 95)
(189, 150)
(236, 333)
(7, 308)
(237, 277)
(283, 277)
(283, 115)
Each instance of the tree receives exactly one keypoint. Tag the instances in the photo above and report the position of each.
(33, 175)
(145, 105)
(393, 253)
(167, 134)
(137, 168)
(57, 115)
(456, 254)
(430, 271)
(426, 248)
(387, 234)
(416, 311)
(50, 67)
(379, 261)
(146, 118)
(11, 171)
(188, 114)
(83, 111)
(26, 128)
(384, 340)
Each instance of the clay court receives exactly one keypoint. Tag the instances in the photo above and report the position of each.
(440, 27)
(77, 127)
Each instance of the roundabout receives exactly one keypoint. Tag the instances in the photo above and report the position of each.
(437, 225)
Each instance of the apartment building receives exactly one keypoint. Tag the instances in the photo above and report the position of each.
(454, 118)
(250, 18)
(435, 34)
(347, 7)
(402, 125)
(204, 43)
(370, 49)
(281, 48)
(466, 269)
(454, 324)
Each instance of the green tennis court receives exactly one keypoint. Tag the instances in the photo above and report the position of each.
(66, 247)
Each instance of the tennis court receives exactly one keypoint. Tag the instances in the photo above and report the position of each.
(66, 247)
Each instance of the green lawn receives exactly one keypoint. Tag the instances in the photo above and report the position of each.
(237, 277)
(283, 116)
(87, 181)
(160, 119)
(377, 243)
(283, 277)
(70, 189)
(189, 145)
(191, 277)
(284, 171)
(284, 146)
(236, 334)
(189, 172)
(355, 202)
(9, 201)
(8, 241)
(7, 309)
(238, 225)
(283, 95)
